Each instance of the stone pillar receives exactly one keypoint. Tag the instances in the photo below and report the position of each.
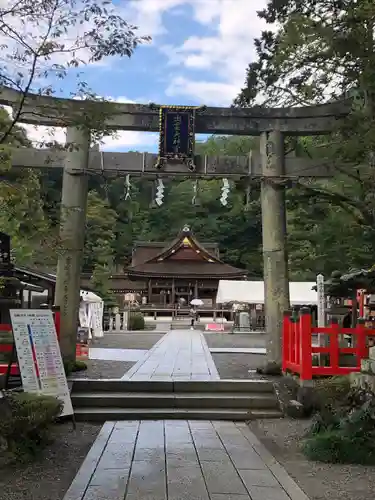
(173, 298)
(125, 320)
(275, 260)
(117, 322)
(72, 236)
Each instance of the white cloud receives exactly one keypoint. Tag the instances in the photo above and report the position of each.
(147, 15)
(208, 93)
(225, 53)
(121, 140)
(68, 23)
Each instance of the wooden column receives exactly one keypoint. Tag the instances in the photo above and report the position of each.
(149, 291)
(173, 297)
(196, 289)
(276, 281)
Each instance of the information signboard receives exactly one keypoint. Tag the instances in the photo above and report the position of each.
(39, 357)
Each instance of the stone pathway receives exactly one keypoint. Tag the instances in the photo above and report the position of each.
(179, 355)
(110, 354)
(238, 350)
(180, 460)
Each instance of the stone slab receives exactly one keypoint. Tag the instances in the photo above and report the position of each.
(147, 477)
(108, 354)
(219, 496)
(181, 460)
(264, 477)
(265, 493)
(186, 483)
(181, 355)
(89, 465)
(238, 350)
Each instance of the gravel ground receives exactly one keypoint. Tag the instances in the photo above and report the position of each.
(237, 340)
(97, 368)
(237, 365)
(228, 365)
(49, 477)
(319, 481)
(128, 340)
(101, 369)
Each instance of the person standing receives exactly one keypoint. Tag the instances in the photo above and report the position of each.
(193, 316)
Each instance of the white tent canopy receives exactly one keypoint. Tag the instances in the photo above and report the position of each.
(91, 311)
(252, 292)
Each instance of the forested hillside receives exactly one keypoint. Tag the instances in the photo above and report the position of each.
(314, 56)
(324, 234)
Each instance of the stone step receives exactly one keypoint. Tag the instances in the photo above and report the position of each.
(174, 400)
(186, 325)
(169, 386)
(105, 414)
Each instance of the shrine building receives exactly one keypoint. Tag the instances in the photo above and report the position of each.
(162, 274)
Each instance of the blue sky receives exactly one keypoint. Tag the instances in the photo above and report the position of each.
(198, 55)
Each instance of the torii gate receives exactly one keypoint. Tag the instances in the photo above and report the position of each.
(270, 165)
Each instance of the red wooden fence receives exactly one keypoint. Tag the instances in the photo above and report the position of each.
(298, 349)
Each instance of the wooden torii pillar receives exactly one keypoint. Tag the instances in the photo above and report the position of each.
(271, 165)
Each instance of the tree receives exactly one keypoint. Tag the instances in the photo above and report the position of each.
(21, 213)
(44, 41)
(323, 50)
(99, 242)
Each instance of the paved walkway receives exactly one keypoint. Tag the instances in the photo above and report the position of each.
(181, 460)
(179, 355)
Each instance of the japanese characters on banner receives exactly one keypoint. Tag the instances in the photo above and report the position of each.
(39, 357)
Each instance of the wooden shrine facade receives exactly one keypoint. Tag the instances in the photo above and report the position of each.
(164, 275)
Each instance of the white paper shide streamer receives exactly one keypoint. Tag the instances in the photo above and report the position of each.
(159, 197)
(225, 192)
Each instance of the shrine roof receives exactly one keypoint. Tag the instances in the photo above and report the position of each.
(145, 250)
(185, 256)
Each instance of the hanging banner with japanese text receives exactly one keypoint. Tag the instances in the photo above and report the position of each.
(177, 135)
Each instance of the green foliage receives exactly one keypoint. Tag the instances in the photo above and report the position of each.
(74, 366)
(318, 51)
(336, 446)
(321, 51)
(95, 29)
(21, 207)
(343, 430)
(99, 244)
(136, 321)
(25, 422)
(332, 391)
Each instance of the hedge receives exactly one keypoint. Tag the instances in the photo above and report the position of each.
(25, 422)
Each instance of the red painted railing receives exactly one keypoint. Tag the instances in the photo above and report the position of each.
(298, 348)
(7, 348)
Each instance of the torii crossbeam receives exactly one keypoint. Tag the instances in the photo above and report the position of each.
(270, 164)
